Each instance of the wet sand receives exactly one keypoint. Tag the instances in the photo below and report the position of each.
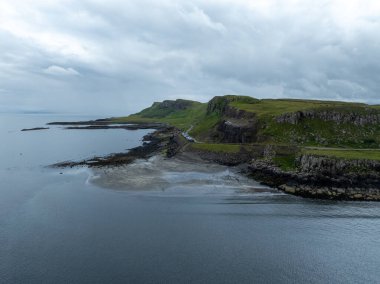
(159, 173)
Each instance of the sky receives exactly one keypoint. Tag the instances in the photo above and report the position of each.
(116, 57)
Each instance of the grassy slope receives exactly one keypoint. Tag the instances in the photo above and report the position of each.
(183, 119)
(313, 132)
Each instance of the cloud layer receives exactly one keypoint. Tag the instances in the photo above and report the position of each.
(115, 57)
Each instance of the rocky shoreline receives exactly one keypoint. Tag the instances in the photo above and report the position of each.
(315, 177)
(337, 186)
(153, 144)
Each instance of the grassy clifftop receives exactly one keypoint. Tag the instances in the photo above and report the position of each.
(179, 113)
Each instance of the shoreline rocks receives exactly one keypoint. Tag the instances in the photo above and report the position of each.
(324, 183)
(154, 143)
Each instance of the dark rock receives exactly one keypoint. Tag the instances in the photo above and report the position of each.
(231, 132)
(36, 128)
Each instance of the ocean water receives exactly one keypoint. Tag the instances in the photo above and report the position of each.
(163, 221)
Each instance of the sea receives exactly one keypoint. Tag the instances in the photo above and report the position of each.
(159, 222)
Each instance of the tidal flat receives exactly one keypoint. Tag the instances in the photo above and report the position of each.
(179, 174)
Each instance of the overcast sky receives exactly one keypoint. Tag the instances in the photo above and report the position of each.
(117, 56)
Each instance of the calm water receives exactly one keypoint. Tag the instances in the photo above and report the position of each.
(56, 226)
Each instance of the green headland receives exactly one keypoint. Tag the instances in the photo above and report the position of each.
(227, 124)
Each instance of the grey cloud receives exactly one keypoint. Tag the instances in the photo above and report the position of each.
(130, 53)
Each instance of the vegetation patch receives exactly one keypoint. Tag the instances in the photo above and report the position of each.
(286, 163)
(202, 129)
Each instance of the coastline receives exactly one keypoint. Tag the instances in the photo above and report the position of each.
(326, 183)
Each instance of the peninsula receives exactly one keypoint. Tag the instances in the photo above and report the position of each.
(318, 149)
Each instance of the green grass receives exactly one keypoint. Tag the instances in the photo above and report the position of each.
(182, 119)
(271, 107)
(204, 126)
(315, 132)
(286, 163)
(350, 154)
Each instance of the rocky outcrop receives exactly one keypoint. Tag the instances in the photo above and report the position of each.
(174, 105)
(234, 132)
(237, 126)
(35, 128)
(322, 177)
(219, 104)
(332, 167)
(164, 139)
(175, 143)
(359, 117)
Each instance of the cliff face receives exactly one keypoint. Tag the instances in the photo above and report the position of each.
(231, 132)
(331, 167)
(369, 117)
(236, 125)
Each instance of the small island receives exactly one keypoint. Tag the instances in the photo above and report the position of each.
(310, 148)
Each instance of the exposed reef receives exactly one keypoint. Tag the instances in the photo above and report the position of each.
(35, 128)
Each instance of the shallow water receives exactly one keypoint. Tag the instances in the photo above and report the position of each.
(163, 220)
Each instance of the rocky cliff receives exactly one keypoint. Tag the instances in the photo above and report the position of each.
(231, 131)
(367, 117)
(235, 125)
(323, 177)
